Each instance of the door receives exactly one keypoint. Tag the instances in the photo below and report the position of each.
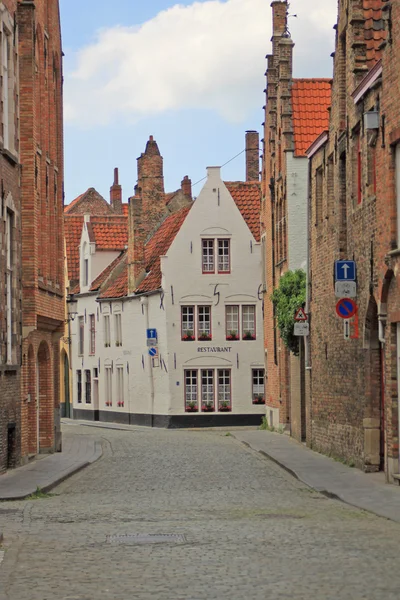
(67, 398)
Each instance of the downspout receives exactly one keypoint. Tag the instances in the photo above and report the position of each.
(144, 300)
(307, 308)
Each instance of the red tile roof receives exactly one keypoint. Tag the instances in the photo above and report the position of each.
(247, 197)
(100, 279)
(116, 286)
(73, 230)
(374, 30)
(109, 232)
(311, 99)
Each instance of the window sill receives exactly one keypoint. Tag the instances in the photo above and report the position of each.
(9, 368)
(12, 158)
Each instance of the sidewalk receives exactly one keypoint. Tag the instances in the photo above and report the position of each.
(366, 491)
(46, 472)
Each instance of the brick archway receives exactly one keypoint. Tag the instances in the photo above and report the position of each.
(373, 410)
(45, 408)
(32, 406)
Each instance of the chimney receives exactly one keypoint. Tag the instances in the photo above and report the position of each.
(151, 186)
(279, 17)
(136, 243)
(252, 156)
(186, 186)
(116, 194)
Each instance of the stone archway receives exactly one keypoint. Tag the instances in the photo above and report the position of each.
(374, 426)
(45, 404)
(32, 404)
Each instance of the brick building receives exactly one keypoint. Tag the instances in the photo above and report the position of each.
(10, 243)
(296, 111)
(41, 154)
(352, 216)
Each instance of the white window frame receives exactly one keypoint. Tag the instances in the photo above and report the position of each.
(232, 321)
(191, 377)
(108, 385)
(118, 329)
(208, 390)
(107, 331)
(257, 384)
(207, 381)
(120, 386)
(249, 321)
(88, 386)
(224, 388)
(188, 316)
(224, 255)
(81, 335)
(208, 255)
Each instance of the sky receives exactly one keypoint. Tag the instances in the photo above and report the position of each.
(190, 74)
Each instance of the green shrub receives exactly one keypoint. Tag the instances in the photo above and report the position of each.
(287, 298)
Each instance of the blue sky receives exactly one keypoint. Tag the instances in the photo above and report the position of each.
(191, 74)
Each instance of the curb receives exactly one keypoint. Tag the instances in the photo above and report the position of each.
(47, 488)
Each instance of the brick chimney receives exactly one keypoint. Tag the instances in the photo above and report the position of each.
(136, 244)
(116, 194)
(279, 17)
(252, 156)
(150, 186)
(186, 186)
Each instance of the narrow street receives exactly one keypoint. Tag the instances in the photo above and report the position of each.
(234, 525)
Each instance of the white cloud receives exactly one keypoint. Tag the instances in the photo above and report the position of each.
(208, 55)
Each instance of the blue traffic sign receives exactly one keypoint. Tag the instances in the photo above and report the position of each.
(345, 270)
(153, 351)
(346, 308)
(152, 334)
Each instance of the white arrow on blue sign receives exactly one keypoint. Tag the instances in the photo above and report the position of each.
(345, 270)
(152, 334)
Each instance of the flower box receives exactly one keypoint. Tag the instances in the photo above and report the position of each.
(121, 404)
(191, 408)
(224, 408)
(108, 403)
(207, 408)
(249, 336)
(232, 338)
(258, 401)
(205, 338)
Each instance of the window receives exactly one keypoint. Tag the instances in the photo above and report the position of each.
(120, 386)
(258, 390)
(9, 285)
(249, 322)
(191, 404)
(108, 375)
(210, 394)
(224, 390)
(86, 272)
(224, 261)
(92, 330)
(6, 87)
(118, 329)
(88, 387)
(81, 325)
(232, 323)
(107, 332)
(188, 333)
(79, 386)
(208, 256)
(207, 391)
(397, 157)
(204, 322)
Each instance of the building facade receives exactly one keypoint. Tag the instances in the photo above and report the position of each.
(192, 286)
(10, 242)
(350, 167)
(296, 111)
(41, 154)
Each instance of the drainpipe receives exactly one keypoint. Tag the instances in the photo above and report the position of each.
(145, 304)
(307, 354)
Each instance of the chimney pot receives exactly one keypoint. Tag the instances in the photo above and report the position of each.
(186, 186)
(116, 194)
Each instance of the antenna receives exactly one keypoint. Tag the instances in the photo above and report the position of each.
(288, 16)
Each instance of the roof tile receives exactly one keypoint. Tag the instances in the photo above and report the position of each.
(311, 99)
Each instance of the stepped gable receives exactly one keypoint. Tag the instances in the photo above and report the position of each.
(89, 203)
(311, 99)
(247, 197)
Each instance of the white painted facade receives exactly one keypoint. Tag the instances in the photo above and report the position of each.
(297, 189)
(158, 388)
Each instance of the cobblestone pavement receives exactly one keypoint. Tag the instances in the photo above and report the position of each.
(249, 530)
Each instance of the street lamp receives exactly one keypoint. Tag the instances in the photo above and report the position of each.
(72, 305)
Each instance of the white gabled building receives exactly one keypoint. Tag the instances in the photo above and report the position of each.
(193, 287)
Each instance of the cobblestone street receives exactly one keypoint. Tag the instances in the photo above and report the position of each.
(246, 529)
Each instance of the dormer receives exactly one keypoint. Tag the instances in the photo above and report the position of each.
(87, 249)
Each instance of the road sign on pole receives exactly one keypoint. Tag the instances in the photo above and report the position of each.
(346, 333)
(153, 352)
(345, 289)
(302, 329)
(345, 270)
(346, 308)
(300, 315)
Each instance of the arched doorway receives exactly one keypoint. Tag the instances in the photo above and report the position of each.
(32, 403)
(374, 422)
(67, 398)
(45, 404)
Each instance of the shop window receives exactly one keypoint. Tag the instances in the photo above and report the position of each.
(224, 390)
(258, 386)
(79, 386)
(207, 391)
(120, 386)
(88, 387)
(191, 396)
(108, 390)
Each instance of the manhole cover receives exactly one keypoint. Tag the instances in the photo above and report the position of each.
(145, 538)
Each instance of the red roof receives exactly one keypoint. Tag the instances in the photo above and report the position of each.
(311, 99)
(117, 285)
(73, 230)
(90, 202)
(374, 30)
(100, 279)
(247, 197)
(109, 232)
